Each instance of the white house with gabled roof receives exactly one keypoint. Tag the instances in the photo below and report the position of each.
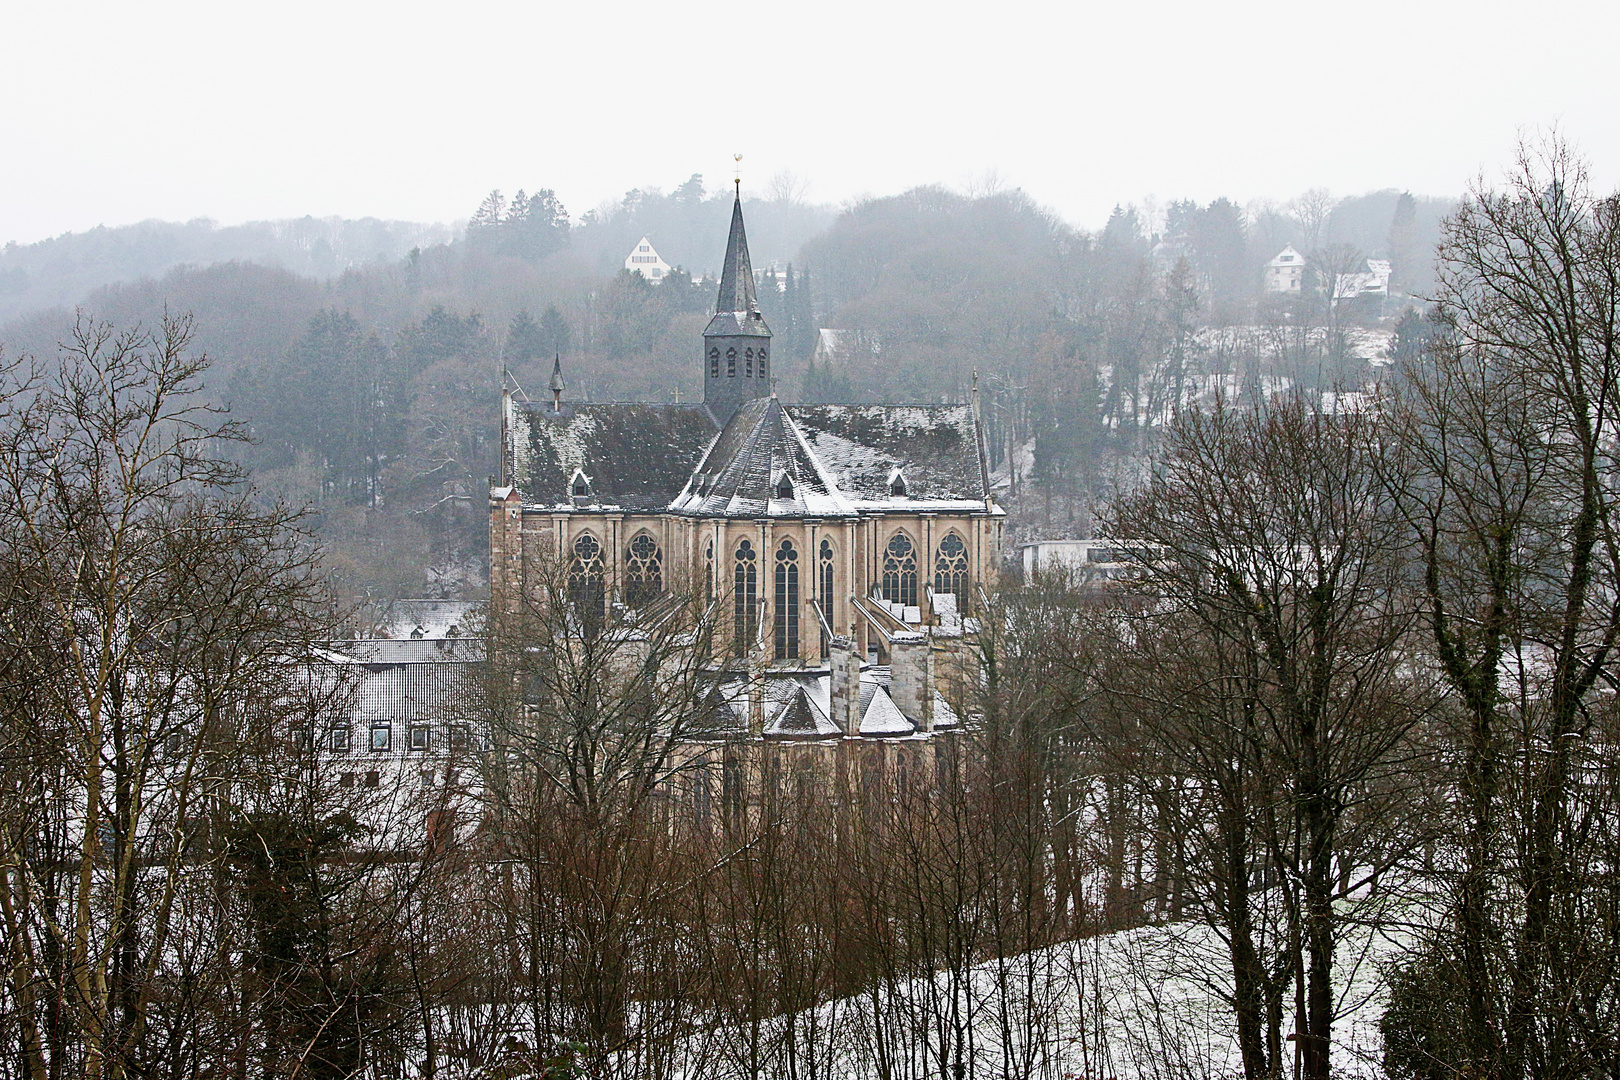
(643, 259)
(1286, 272)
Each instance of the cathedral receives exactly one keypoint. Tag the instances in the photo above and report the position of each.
(843, 543)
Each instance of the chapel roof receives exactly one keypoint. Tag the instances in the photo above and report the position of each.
(632, 457)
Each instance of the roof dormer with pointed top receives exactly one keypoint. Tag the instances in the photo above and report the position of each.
(736, 344)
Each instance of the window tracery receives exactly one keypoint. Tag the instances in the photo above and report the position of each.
(786, 616)
(745, 595)
(825, 589)
(951, 567)
(644, 571)
(900, 571)
(586, 577)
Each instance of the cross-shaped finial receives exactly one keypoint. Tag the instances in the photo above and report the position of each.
(773, 386)
(738, 178)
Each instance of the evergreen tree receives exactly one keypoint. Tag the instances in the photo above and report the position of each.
(525, 340)
(555, 336)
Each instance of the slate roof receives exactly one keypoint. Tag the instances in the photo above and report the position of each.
(837, 460)
(410, 681)
(737, 307)
(634, 457)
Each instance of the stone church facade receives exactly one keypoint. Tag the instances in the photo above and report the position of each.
(843, 543)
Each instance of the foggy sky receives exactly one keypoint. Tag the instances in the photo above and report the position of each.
(116, 112)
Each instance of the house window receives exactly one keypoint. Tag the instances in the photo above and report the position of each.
(419, 737)
(371, 778)
(459, 738)
(714, 362)
(340, 740)
(380, 737)
(748, 363)
(346, 780)
(731, 363)
(644, 571)
(900, 571)
(951, 568)
(786, 616)
(745, 595)
(586, 585)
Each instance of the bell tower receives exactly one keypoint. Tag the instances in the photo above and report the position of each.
(737, 343)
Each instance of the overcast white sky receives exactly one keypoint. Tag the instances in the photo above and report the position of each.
(115, 112)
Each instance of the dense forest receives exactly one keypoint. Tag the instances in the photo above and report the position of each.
(365, 357)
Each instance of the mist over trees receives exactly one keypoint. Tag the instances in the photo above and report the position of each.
(370, 384)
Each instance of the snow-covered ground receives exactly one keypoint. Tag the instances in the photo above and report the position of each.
(1146, 1003)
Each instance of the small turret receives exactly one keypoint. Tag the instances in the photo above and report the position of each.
(737, 343)
(557, 384)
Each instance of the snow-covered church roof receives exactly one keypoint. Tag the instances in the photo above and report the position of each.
(769, 459)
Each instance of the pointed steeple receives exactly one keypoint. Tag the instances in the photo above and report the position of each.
(736, 343)
(557, 384)
(737, 273)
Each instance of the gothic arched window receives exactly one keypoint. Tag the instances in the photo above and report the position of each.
(714, 361)
(900, 571)
(586, 578)
(786, 616)
(748, 363)
(745, 594)
(951, 568)
(731, 363)
(643, 571)
(825, 588)
(763, 355)
(708, 571)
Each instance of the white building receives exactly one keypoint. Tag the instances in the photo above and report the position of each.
(1373, 280)
(646, 261)
(1286, 272)
(1083, 560)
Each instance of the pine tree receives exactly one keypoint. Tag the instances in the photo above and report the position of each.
(489, 212)
(555, 337)
(525, 339)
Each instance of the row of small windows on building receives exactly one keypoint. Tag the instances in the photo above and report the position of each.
(644, 580)
(418, 737)
(748, 358)
(644, 258)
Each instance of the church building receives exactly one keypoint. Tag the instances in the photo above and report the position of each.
(845, 543)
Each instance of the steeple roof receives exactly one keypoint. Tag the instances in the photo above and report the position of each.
(737, 273)
(557, 383)
(736, 310)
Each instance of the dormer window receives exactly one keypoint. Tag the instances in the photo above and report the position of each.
(580, 486)
(784, 487)
(897, 483)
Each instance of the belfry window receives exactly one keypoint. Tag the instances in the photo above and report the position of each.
(786, 615)
(586, 578)
(714, 361)
(763, 353)
(748, 363)
(644, 571)
(900, 571)
(951, 568)
(745, 595)
(731, 363)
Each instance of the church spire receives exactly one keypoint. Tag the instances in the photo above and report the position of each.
(736, 343)
(737, 273)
